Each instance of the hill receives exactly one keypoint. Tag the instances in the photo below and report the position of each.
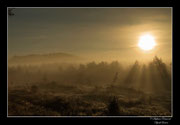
(44, 58)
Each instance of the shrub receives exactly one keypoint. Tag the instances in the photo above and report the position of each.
(34, 89)
(113, 107)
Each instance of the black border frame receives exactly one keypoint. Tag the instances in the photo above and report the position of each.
(81, 3)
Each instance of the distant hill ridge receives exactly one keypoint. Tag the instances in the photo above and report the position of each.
(44, 58)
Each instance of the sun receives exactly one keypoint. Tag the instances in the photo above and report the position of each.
(147, 42)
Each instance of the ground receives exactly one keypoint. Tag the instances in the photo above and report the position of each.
(81, 100)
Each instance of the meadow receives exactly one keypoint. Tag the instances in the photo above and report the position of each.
(91, 89)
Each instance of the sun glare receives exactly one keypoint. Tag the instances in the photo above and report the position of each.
(146, 42)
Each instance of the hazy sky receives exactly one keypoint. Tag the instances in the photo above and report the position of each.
(99, 33)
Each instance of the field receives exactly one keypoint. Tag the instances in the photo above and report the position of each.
(87, 91)
(57, 100)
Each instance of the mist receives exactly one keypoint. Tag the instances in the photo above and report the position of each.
(109, 79)
(88, 62)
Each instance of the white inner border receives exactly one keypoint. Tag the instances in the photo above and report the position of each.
(100, 116)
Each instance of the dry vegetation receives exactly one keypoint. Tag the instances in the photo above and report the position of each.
(103, 89)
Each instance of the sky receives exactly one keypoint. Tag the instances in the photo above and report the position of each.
(94, 33)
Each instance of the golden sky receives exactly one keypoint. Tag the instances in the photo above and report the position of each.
(95, 33)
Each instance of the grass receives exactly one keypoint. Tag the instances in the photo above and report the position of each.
(70, 102)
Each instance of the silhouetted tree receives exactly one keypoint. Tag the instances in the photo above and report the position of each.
(143, 77)
(132, 75)
(115, 78)
(162, 69)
